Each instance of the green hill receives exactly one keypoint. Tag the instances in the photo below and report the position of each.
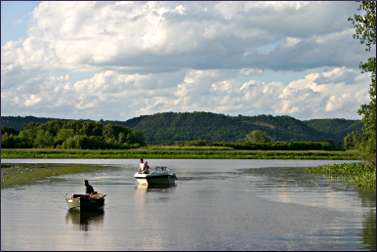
(171, 127)
(336, 127)
(17, 122)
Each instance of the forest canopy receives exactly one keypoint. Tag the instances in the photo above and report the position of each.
(67, 134)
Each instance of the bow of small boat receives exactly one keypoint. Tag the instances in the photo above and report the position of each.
(72, 203)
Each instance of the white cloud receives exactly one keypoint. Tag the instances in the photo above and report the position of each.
(32, 100)
(222, 86)
(111, 59)
(286, 107)
(114, 94)
(165, 35)
(291, 41)
(334, 103)
(331, 93)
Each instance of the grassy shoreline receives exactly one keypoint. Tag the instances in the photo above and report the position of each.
(173, 152)
(22, 174)
(359, 175)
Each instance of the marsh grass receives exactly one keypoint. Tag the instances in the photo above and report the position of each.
(175, 152)
(21, 174)
(360, 175)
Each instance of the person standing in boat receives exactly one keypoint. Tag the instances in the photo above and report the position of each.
(89, 188)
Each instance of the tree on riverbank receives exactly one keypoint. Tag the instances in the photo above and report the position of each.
(365, 31)
(257, 136)
(69, 134)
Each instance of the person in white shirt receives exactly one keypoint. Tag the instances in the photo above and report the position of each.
(141, 166)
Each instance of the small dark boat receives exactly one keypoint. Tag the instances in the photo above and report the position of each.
(86, 202)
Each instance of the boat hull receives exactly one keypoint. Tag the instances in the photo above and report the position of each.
(162, 180)
(85, 203)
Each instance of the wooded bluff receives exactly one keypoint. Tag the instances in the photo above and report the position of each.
(172, 127)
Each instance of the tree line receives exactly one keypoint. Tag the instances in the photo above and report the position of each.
(68, 134)
(87, 134)
(365, 31)
(172, 127)
(259, 140)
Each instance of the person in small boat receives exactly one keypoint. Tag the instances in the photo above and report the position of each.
(146, 167)
(89, 188)
(143, 167)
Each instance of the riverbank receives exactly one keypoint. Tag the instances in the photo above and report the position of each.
(22, 174)
(359, 175)
(175, 152)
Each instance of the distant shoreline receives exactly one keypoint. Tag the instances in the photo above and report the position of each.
(24, 174)
(166, 152)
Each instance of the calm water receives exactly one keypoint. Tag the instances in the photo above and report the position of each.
(216, 205)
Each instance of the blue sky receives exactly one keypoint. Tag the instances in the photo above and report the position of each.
(15, 19)
(117, 60)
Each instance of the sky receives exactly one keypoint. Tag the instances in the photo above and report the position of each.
(117, 60)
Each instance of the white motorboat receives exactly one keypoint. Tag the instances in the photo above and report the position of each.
(160, 176)
(86, 202)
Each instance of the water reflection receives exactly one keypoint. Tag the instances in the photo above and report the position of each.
(157, 188)
(85, 219)
(160, 193)
(142, 190)
(368, 199)
(368, 235)
(293, 185)
(369, 230)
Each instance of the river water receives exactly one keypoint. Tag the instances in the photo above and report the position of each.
(216, 205)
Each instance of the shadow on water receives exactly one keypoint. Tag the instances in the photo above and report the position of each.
(368, 236)
(368, 199)
(369, 230)
(85, 219)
